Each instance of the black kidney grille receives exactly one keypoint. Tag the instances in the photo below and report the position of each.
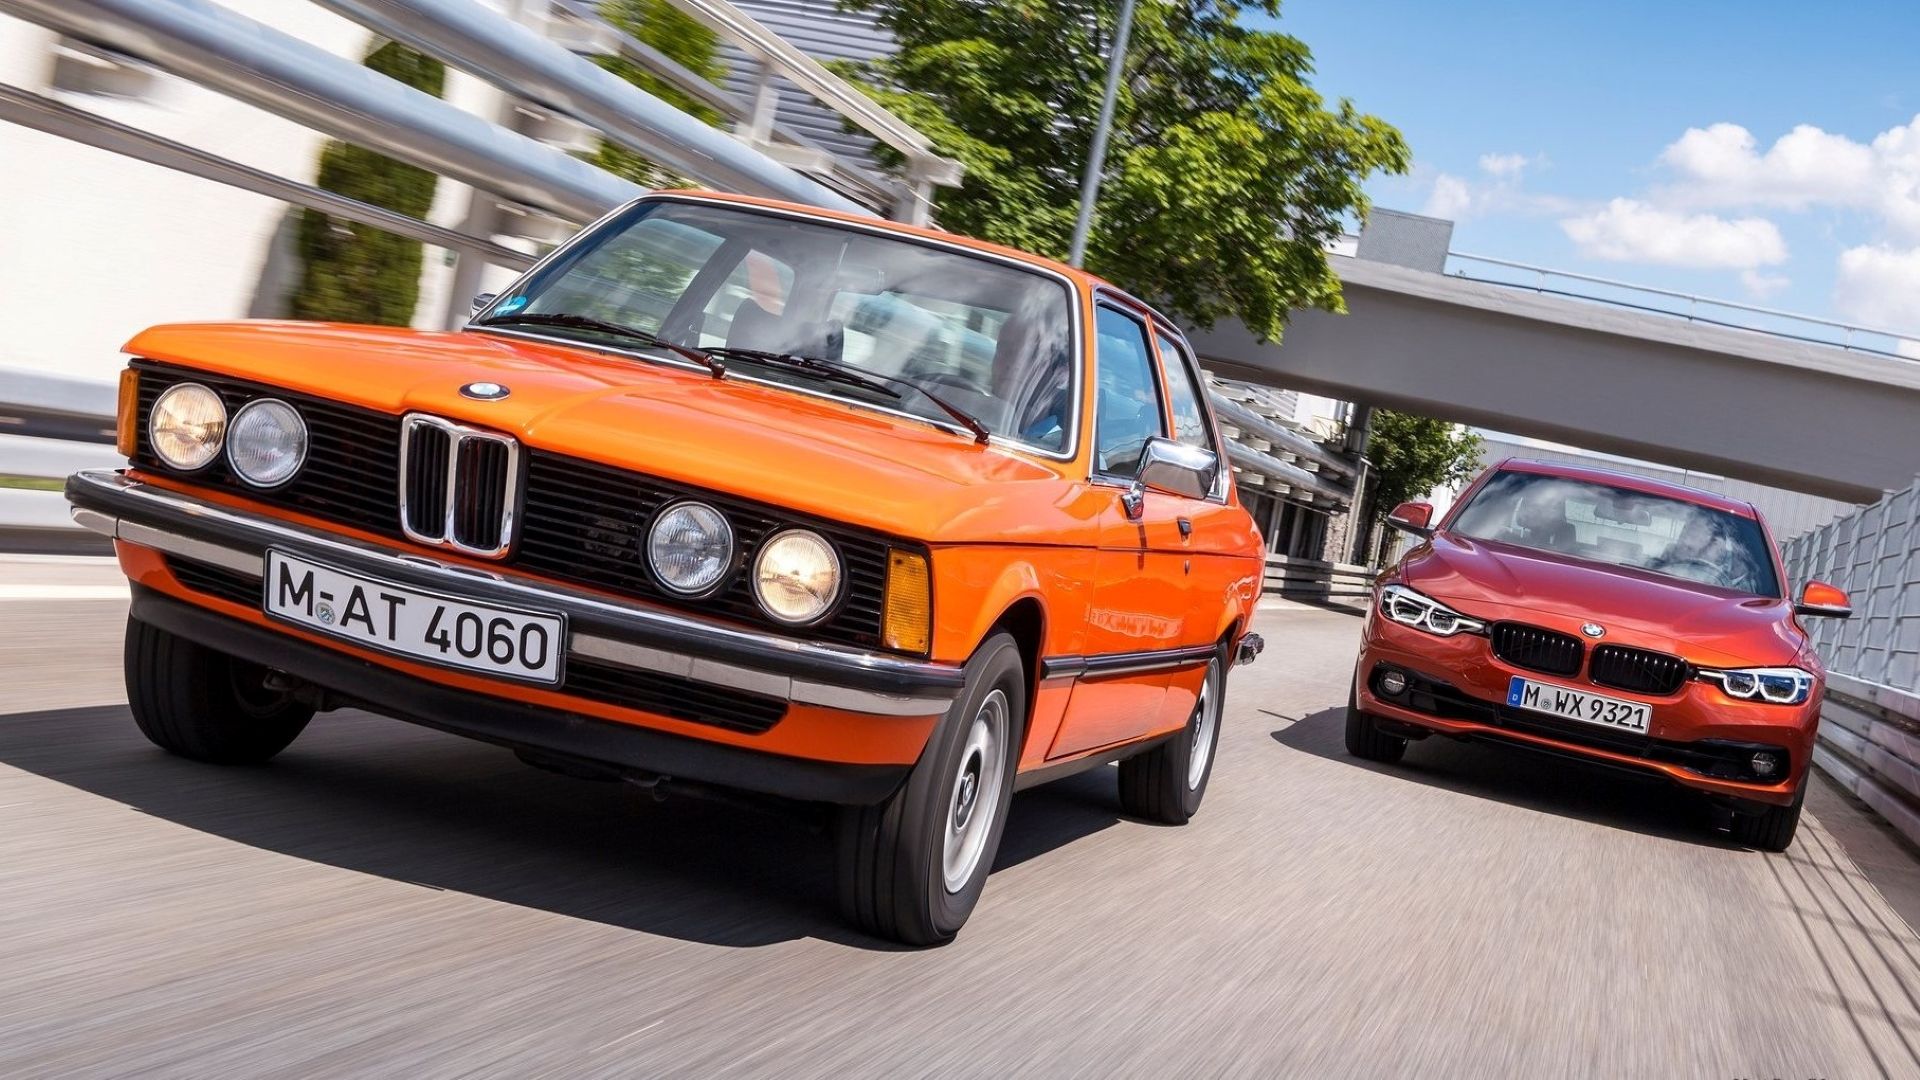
(1639, 670)
(1536, 649)
(428, 448)
(352, 471)
(587, 523)
(480, 507)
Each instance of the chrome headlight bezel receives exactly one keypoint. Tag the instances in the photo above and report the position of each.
(722, 537)
(1771, 685)
(236, 433)
(213, 444)
(761, 579)
(1409, 607)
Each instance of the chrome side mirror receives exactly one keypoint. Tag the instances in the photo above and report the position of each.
(1173, 468)
(482, 301)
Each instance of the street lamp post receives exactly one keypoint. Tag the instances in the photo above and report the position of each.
(1097, 153)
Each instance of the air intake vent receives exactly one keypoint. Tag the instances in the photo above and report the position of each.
(458, 485)
(1536, 649)
(1637, 670)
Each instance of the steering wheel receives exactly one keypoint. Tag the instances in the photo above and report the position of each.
(1713, 572)
(948, 378)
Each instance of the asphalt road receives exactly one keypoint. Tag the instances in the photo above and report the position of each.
(387, 901)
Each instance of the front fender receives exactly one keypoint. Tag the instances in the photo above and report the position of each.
(974, 585)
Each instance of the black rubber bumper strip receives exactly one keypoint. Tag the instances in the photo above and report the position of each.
(509, 723)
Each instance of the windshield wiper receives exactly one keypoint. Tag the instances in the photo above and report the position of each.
(588, 322)
(852, 376)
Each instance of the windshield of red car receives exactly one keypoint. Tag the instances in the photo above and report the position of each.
(1621, 527)
(991, 338)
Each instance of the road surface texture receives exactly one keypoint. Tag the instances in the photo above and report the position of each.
(387, 901)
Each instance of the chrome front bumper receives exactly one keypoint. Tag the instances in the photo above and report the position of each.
(600, 628)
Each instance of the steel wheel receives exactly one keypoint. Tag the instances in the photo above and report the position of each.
(976, 792)
(1206, 714)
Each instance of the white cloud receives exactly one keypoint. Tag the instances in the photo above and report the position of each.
(1722, 166)
(1879, 286)
(1628, 230)
(1760, 286)
(1451, 198)
(1504, 164)
(1498, 190)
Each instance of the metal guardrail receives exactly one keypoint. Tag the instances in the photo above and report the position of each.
(1731, 314)
(1318, 582)
(1870, 744)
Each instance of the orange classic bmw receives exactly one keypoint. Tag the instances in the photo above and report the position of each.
(721, 494)
(1606, 617)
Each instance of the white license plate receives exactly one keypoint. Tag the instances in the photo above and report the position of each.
(1565, 701)
(438, 629)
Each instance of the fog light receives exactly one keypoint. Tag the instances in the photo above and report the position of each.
(1764, 763)
(1392, 683)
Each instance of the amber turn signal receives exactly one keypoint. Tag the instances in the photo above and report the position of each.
(125, 425)
(909, 624)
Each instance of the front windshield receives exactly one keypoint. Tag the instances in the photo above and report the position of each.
(990, 339)
(1621, 527)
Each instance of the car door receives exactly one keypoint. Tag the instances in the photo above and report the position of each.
(1140, 592)
(1214, 536)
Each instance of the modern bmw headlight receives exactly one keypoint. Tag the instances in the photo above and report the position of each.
(796, 576)
(1776, 685)
(266, 442)
(1409, 608)
(690, 547)
(187, 426)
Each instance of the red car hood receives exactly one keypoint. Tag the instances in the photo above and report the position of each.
(1704, 624)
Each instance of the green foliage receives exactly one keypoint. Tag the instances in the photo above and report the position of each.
(1226, 173)
(1412, 455)
(665, 27)
(357, 273)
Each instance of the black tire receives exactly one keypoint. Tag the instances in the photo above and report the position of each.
(1160, 784)
(203, 704)
(1364, 737)
(893, 873)
(1771, 829)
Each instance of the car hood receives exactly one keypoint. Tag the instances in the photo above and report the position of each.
(816, 456)
(1704, 624)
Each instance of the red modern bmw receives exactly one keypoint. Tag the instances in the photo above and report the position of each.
(1606, 617)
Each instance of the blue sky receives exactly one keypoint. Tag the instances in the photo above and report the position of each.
(1643, 141)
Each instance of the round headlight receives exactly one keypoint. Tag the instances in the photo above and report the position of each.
(796, 576)
(187, 425)
(690, 547)
(267, 442)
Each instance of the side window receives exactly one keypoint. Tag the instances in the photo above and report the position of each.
(1184, 394)
(1128, 411)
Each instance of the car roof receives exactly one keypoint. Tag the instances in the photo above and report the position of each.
(1646, 485)
(1080, 277)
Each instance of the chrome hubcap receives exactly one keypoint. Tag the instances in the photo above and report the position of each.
(976, 792)
(1206, 714)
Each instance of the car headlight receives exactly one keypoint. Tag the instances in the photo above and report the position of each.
(266, 442)
(187, 426)
(690, 547)
(796, 576)
(1777, 685)
(1409, 608)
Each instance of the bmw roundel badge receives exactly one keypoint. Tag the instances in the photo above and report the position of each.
(484, 391)
(1593, 629)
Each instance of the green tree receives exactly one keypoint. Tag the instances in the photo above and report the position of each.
(1226, 174)
(690, 44)
(353, 272)
(1412, 455)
